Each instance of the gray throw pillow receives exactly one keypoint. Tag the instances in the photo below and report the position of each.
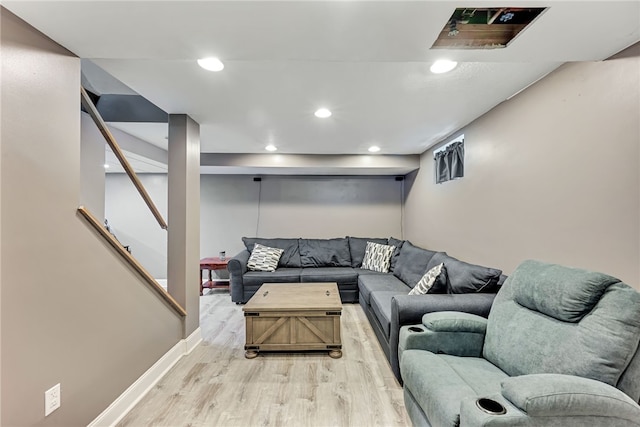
(291, 255)
(325, 252)
(464, 278)
(412, 263)
(396, 254)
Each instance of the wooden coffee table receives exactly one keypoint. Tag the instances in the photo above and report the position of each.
(293, 317)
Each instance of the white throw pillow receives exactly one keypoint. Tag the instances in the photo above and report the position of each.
(377, 257)
(427, 281)
(264, 258)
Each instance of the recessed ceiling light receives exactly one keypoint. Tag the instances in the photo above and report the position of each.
(271, 147)
(106, 166)
(443, 66)
(322, 113)
(211, 64)
(374, 149)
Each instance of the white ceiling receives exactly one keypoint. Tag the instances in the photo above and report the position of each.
(368, 61)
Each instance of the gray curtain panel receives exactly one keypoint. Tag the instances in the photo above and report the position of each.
(450, 162)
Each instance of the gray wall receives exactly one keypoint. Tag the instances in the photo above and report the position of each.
(91, 167)
(133, 223)
(72, 312)
(280, 206)
(233, 206)
(551, 174)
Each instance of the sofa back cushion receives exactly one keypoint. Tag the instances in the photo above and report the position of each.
(465, 278)
(396, 253)
(291, 255)
(325, 252)
(412, 263)
(599, 345)
(357, 247)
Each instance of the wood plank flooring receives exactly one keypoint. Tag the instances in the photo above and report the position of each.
(216, 386)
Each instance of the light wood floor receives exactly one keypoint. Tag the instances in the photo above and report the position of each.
(216, 386)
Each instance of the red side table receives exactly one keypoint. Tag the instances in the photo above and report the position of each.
(213, 263)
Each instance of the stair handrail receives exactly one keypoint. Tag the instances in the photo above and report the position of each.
(89, 106)
(97, 225)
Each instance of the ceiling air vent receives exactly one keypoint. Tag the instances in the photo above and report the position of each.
(485, 28)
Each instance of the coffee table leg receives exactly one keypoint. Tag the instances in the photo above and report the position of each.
(335, 354)
(250, 354)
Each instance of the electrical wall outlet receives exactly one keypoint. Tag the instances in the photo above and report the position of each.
(51, 399)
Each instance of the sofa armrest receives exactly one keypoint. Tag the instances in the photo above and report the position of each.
(409, 309)
(237, 266)
(556, 395)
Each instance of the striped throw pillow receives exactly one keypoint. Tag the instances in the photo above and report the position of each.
(377, 257)
(427, 281)
(264, 258)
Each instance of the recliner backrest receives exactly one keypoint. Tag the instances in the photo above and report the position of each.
(553, 319)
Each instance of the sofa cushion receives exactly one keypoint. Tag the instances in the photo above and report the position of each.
(440, 382)
(377, 257)
(412, 263)
(291, 255)
(396, 253)
(357, 247)
(522, 341)
(560, 292)
(325, 252)
(339, 275)
(424, 285)
(281, 275)
(264, 258)
(381, 306)
(466, 278)
(368, 283)
(363, 272)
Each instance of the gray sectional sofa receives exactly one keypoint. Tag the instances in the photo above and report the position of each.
(383, 296)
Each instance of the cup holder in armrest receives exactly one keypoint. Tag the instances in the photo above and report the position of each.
(490, 406)
(415, 329)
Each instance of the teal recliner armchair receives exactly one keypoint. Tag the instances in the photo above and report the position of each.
(560, 348)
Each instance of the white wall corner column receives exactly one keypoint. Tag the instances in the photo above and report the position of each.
(184, 217)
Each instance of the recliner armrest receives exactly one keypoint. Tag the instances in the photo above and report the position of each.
(445, 332)
(557, 395)
(455, 321)
(409, 309)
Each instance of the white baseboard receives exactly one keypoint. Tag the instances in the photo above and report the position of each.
(136, 391)
(193, 340)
